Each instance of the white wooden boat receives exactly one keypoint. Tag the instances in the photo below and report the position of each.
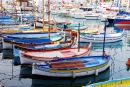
(72, 67)
(99, 38)
(30, 57)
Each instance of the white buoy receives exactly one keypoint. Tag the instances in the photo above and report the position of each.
(96, 72)
(73, 72)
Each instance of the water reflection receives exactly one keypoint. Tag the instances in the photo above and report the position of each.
(118, 44)
(41, 81)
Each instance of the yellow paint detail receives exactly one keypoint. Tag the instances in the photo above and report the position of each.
(80, 69)
(55, 42)
(26, 31)
(121, 83)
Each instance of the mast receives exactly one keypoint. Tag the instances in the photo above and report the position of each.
(128, 5)
(43, 15)
(15, 11)
(104, 38)
(1, 4)
(33, 12)
(49, 18)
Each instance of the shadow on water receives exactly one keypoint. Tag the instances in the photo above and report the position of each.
(42, 81)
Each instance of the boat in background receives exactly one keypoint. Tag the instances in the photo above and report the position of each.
(29, 57)
(47, 45)
(122, 23)
(89, 31)
(24, 30)
(124, 82)
(8, 42)
(28, 39)
(98, 38)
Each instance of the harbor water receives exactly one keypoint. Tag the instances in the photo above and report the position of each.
(14, 75)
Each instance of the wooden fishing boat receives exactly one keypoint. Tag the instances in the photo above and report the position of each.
(52, 22)
(75, 29)
(47, 45)
(125, 82)
(89, 31)
(32, 30)
(14, 26)
(81, 28)
(25, 72)
(29, 57)
(72, 67)
(98, 38)
(30, 42)
(28, 35)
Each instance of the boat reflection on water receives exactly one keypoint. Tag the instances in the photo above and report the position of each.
(42, 81)
(118, 44)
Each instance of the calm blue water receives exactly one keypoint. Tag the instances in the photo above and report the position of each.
(17, 76)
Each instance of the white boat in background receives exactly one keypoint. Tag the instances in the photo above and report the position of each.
(98, 38)
(79, 16)
(92, 16)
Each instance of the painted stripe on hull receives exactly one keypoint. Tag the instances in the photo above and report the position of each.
(123, 22)
(123, 27)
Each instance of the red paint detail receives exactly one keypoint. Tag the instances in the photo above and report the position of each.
(123, 27)
(108, 9)
(123, 22)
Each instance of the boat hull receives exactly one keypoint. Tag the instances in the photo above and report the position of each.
(92, 17)
(90, 71)
(24, 59)
(122, 23)
(101, 39)
(79, 16)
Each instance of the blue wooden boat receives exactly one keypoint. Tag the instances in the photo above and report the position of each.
(32, 42)
(28, 35)
(6, 20)
(45, 45)
(72, 67)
